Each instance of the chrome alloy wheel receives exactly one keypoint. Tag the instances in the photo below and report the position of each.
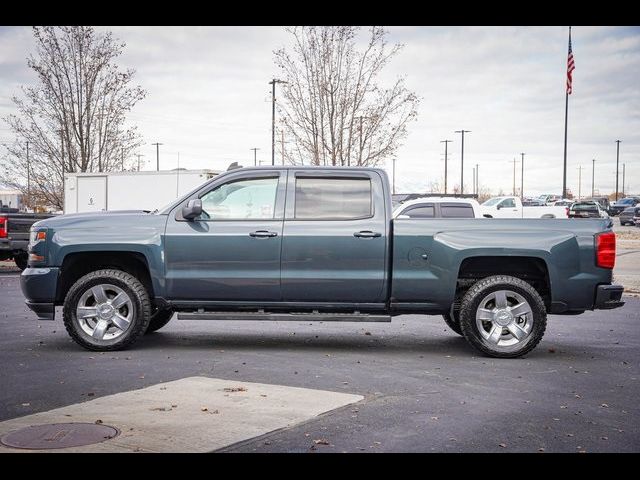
(504, 318)
(104, 312)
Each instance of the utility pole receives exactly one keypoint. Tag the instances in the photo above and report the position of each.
(138, 155)
(579, 182)
(255, 156)
(473, 188)
(28, 180)
(360, 151)
(157, 155)
(623, 169)
(617, 163)
(394, 175)
(122, 157)
(462, 160)
(445, 163)
(522, 177)
(477, 179)
(514, 176)
(593, 177)
(273, 118)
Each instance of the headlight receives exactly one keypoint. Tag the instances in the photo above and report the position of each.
(36, 236)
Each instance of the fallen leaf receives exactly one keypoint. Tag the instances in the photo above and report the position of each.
(26, 404)
(367, 333)
(604, 405)
(503, 445)
(204, 409)
(541, 449)
(321, 441)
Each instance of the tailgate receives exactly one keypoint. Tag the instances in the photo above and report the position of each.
(19, 225)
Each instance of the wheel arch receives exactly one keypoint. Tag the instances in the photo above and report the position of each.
(76, 265)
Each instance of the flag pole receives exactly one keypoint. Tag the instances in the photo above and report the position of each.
(566, 117)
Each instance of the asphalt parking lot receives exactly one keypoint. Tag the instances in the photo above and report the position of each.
(424, 388)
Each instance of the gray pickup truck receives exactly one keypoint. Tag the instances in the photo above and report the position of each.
(313, 244)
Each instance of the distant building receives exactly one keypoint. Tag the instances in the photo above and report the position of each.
(11, 199)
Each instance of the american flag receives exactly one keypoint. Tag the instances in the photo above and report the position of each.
(571, 66)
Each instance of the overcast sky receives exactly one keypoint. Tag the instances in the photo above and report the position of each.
(209, 99)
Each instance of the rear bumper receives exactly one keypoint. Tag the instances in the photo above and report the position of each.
(608, 296)
(39, 288)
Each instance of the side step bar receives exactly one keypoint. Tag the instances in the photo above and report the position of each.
(280, 317)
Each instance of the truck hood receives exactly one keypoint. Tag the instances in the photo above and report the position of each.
(100, 219)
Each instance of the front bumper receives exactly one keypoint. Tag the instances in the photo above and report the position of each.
(39, 288)
(608, 296)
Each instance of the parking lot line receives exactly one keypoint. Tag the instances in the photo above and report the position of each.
(194, 414)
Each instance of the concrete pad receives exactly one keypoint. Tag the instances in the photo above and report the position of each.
(195, 414)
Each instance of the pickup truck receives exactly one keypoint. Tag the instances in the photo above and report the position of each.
(313, 244)
(511, 207)
(14, 235)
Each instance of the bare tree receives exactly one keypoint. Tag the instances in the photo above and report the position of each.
(73, 118)
(335, 112)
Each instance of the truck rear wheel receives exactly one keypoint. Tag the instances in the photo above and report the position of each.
(21, 260)
(159, 319)
(107, 310)
(503, 316)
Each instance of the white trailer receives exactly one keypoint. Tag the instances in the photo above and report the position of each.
(145, 190)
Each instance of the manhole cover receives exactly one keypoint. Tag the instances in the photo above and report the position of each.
(59, 435)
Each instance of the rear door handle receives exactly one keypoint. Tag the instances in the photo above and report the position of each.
(367, 234)
(263, 234)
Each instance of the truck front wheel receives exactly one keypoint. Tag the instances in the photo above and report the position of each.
(503, 316)
(107, 310)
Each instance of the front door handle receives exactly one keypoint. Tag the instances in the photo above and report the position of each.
(263, 234)
(367, 234)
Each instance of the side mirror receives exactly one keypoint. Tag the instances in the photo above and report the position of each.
(499, 207)
(192, 209)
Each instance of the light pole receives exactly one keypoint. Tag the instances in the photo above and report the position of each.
(623, 171)
(477, 179)
(446, 142)
(394, 175)
(255, 156)
(522, 154)
(617, 163)
(157, 155)
(273, 118)
(139, 155)
(462, 160)
(514, 176)
(593, 177)
(579, 182)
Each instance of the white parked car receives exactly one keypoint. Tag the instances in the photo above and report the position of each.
(438, 207)
(511, 207)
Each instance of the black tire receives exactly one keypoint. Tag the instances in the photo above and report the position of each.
(21, 260)
(140, 302)
(159, 319)
(471, 302)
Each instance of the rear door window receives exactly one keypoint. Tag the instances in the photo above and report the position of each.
(319, 198)
(456, 210)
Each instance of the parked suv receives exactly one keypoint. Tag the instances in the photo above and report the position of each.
(628, 215)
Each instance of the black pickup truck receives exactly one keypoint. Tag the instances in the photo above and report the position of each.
(14, 235)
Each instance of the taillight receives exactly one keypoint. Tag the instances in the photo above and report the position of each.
(3, 227)
(606, 249)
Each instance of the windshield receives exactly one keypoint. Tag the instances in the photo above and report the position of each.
(492, 201)
(626, 201)
(584, 206)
